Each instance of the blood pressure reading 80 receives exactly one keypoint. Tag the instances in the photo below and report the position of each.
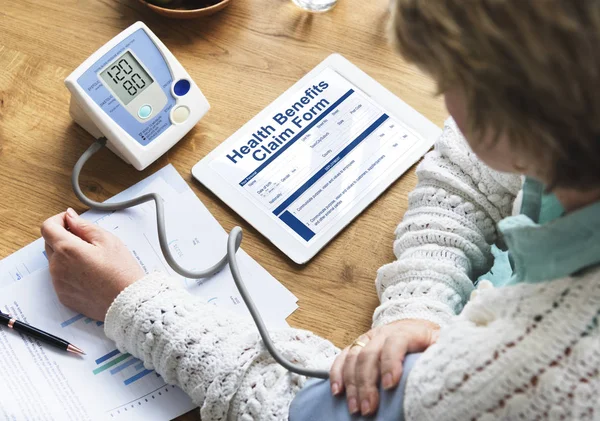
(126, 78)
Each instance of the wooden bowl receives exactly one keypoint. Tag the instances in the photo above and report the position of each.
(188, 10)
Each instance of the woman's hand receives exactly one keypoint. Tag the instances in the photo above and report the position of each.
(89, 266)
(358, 369)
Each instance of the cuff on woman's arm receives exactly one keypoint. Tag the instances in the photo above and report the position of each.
(316, 403)
(420, 309)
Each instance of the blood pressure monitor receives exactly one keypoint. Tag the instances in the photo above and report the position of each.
(135, 93)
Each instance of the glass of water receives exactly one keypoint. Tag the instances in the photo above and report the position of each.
(315, 5)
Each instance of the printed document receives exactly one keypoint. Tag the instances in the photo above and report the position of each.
(41, 383)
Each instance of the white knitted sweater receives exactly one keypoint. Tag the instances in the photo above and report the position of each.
(522, 352)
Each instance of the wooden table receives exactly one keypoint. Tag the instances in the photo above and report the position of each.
(242, 58)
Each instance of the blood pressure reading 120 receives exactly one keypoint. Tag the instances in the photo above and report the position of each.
(126, 78)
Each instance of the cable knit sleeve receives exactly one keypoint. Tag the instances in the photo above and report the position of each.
(524, 352)
(443, 242)
(216, 357)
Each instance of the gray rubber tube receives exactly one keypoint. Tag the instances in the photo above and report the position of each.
(233, 244)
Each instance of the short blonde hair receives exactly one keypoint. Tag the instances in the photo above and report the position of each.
(529, 68)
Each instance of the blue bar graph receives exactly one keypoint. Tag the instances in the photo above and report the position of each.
(72, 320)
(139, 366)
(107, 356)
(123, 366)
(137, 377)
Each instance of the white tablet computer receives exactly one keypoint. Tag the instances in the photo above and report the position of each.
(315, 158)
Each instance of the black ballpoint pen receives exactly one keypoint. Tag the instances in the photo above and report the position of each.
(55, 341)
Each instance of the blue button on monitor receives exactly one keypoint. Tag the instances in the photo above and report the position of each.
(145, 111)
(182, 87)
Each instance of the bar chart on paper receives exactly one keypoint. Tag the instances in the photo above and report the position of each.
(126, 387)
(131, 385)
(145, 385)
(116, 362)
(79, 317)
(103, 384)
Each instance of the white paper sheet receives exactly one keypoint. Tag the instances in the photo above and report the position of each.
(41, 383)
(60, 386)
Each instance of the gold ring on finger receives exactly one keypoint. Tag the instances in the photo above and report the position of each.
(358, 343)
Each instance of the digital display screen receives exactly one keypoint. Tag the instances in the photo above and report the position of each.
(126, 78)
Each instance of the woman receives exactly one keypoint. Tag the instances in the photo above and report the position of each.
(520, 80)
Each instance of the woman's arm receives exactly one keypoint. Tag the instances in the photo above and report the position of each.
(442, 246)
(524, 352)
(443, 242)
(216, 357)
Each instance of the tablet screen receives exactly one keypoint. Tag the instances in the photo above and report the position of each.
(319, 153)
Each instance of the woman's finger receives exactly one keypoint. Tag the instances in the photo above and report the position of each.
(349, 373)
(392, 355)
(54, 229)
(367, 375)
(56, 232)
(84, 229)
(336, 376)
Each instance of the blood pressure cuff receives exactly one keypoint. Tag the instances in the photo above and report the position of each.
(316, 403)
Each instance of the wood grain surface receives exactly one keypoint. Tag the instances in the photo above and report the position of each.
(242, 58)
